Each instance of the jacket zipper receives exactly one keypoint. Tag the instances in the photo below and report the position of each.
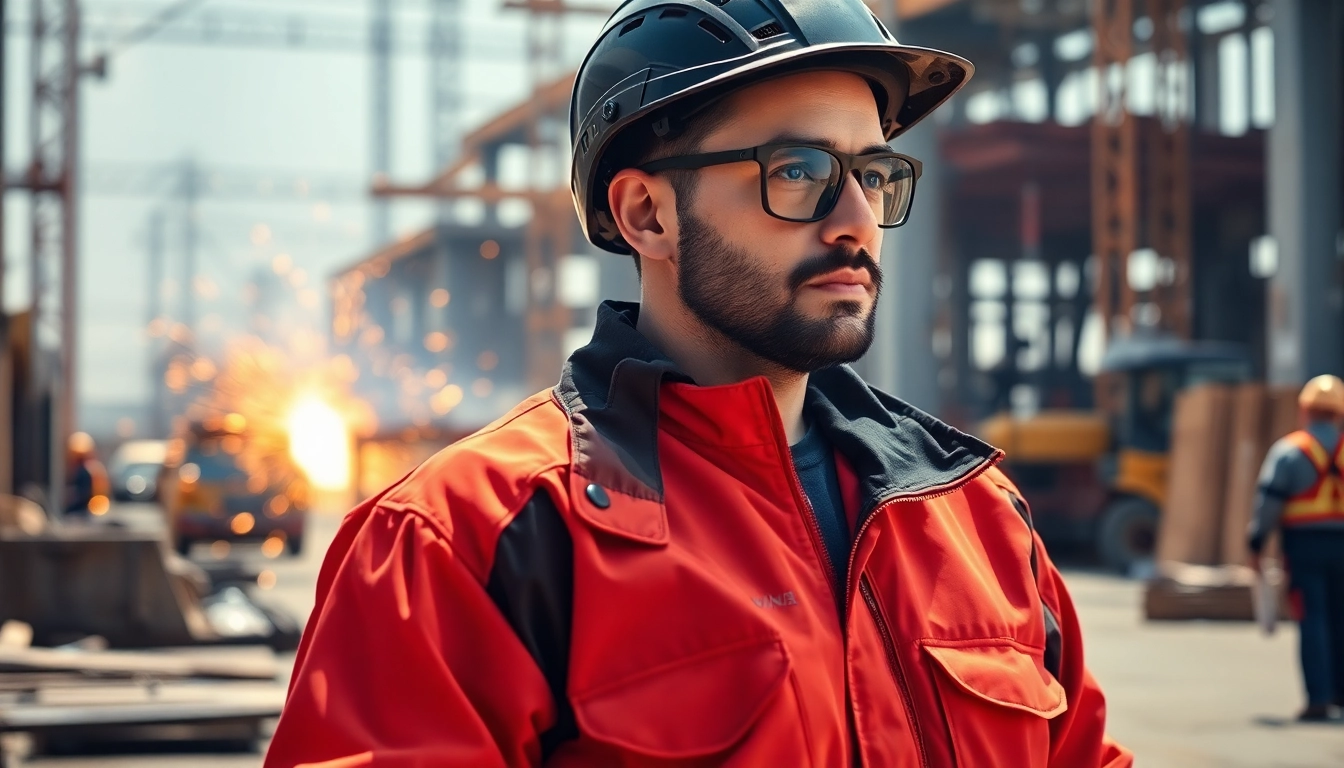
(883, 629)
(814, 528)
(896, 667)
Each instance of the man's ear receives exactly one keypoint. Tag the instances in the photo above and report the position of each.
(644, 208)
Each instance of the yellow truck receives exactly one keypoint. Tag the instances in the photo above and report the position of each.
(1098, 478)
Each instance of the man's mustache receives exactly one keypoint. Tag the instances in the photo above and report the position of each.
(836, 258)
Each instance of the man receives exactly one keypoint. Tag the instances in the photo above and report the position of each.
(1301, 491)
(711, 543)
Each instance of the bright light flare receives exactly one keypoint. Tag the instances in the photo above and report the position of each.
(320, 444)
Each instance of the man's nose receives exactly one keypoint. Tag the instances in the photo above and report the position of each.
(853, 218)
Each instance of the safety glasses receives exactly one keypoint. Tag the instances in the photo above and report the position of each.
(803, 182)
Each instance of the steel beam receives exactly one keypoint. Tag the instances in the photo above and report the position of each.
(380, 112)
(54, 120)
(1306, 203)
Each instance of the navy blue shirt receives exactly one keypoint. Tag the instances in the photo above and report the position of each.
(815, 462)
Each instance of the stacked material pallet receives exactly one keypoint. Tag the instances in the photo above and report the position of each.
(1220, 436)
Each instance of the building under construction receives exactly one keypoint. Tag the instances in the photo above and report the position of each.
(1059, 208)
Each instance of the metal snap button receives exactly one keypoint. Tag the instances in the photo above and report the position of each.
(598, 496)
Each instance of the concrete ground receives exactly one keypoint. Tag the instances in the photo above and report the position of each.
(1182, 695)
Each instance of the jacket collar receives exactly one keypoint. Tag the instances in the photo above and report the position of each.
(610, 391)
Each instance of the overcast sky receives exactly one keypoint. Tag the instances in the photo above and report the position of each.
(255, 113)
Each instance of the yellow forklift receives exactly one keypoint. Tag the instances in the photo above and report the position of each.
(1099, 478)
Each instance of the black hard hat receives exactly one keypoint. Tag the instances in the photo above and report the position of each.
(653, 53)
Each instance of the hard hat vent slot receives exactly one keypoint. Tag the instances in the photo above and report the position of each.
(768, 29)
(885, 33)
(714, 29)
(672, 13)
(631, 26)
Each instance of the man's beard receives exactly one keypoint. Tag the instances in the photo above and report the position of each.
(732, 294)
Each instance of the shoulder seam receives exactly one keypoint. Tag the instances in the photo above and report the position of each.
(410, 507)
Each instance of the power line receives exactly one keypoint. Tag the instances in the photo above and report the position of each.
(251, 29)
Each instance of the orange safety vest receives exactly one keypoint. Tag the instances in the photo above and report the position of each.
(1324, 500)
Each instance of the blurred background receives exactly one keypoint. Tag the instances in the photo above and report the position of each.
(262, 257)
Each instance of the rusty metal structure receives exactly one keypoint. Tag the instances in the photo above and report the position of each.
(1122, 167)
(51, 180)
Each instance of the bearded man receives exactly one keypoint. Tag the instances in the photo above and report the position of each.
(711, 543)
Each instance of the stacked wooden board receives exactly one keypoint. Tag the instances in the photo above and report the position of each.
(1220, 435)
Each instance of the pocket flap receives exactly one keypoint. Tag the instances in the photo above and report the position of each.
(698, 705)
(1003, 674)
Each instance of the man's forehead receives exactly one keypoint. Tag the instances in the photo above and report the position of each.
(832, 107)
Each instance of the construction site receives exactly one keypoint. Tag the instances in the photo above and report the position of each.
(262, 259)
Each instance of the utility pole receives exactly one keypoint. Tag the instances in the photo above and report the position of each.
(189, 191)
(54, 121)
(380, 49)
(157, 429)
(445, 86)
(6, 366)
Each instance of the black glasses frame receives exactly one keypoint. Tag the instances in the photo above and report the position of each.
(849, 165)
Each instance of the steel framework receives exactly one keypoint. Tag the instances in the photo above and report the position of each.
(380, 55)
(1162, 172)
(445, 84)
(1115, 218)
(51, 179)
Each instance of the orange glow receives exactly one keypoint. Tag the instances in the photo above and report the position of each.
(320, 443)
(435, 378)
(266, 579)
(482, 387)
(489, 249)
(273, 547)
(436, 341)
(439, 297)
(235, 423)
(277, 506)
(189, 474)
(446, 399)
(242, 523)
(220, 549)
(99, 505)
(487, 360)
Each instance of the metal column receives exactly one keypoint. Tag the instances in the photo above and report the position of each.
(51, 179)
(445, 88)
(380, 108)
(1306, 204)
(6, 366)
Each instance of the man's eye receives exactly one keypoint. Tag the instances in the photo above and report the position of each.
(874, 180)
(793, 173)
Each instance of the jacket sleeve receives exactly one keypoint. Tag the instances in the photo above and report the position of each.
(1078, 735)
(406, 661)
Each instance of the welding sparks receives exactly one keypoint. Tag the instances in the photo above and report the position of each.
(320, 443)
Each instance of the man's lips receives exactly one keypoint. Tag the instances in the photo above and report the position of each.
(842, 278)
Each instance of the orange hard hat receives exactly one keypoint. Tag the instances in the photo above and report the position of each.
(1323, 393)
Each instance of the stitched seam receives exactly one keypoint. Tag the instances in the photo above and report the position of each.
(643, 674)
(410, 507)
(982, 642)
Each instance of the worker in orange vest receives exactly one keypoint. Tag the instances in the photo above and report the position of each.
(1302, 492)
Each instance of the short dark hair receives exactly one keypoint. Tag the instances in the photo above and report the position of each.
(661, 135)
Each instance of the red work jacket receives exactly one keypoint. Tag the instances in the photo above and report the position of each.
(625, 571)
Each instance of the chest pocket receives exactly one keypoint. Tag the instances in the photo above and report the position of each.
(735, 702)
(998, 701)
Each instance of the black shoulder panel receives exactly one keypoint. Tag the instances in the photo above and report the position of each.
(532, 583)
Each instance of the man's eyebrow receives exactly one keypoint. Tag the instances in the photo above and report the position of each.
(820, 141)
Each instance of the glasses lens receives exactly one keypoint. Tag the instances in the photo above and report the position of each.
(889, 183)
(801, 182)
